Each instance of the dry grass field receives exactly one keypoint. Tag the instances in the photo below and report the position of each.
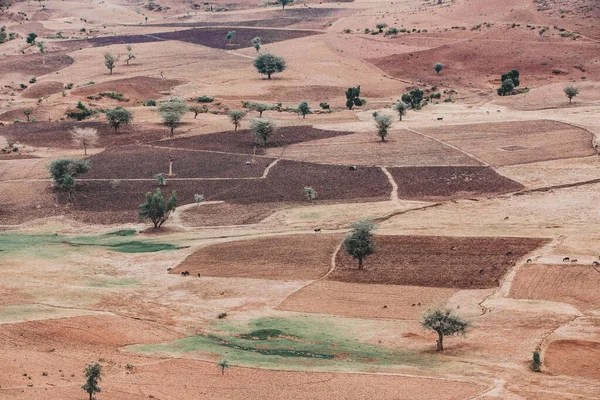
(484, 205)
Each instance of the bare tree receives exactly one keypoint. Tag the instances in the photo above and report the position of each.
(86, 137)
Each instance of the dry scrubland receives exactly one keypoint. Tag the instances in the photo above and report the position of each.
(485, 205)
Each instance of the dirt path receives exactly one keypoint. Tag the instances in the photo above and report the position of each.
(394, 194)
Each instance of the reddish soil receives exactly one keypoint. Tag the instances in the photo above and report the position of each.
(241, 141)
(34, 64)
(290, 257)
(223, 214)
(144, 162)
(510, 143)
(210, 37)
(58, 134)
(436, 261)
(464, 65)
(26, 201)
(136, 90)
(573, 284)
(357, 300)
(433, 183)
(42, 89)
(578, 358)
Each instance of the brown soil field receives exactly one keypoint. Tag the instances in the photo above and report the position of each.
(573, 284)
(35, 64)
(131, 162)
(222, 214)
(357, 300)
(534, 58)
(58, 134)
(241, 141)
(26, 201)
(136, 90)
(578, 358)
(210, 37)
(403, 148)
(437, 183)
(290, 257)
(510, 143)
(42, 89)
(436, 261)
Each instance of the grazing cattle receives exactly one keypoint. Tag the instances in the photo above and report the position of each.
(506, 218)
(566, 259)
(318, 230)
(384, 306)
(595, 263)
(198, 274)
(510, 253)
(185, 273)
(528, 260)
(352, 168)
(440, 118)
(574, 260)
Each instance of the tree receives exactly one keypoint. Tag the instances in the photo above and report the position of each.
(303, 109)
(28, 112)
(86, 137)
(64, 171)
(358, 243)
(353, 97)
(118, 116)
(222, 365)
(230, 36)
(571, 92)
(161, 179)
(171, 112)
(285, 3)
(156, 209)
(198, 110)
(268, 64)
(310, 193)
(510, 81)
(110, 60)
(262, 129)
(381, 26)
(236, 117)
(325, 106)
(256, 43)
(3, 34)
(42, 47)
(445, 324)
(383, 122)
(414, 98)
(80, 112)
(93, 375)
(401, 108)
(130, 55)
(438, 67)
(259, 107)
(31, 38)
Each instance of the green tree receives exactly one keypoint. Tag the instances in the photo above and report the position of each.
(161, 179)
(401, 108)
(259, 107)
(285, 3)
(31, 38)
(256, 43)
(262, 129)
(156, 209)
(310, 193)
(353, 97)
(222, 365)
(414, 98)
(93, 375)
(41, 46)
(358, 243)
(130, 55)
(268, 64)
(28, 112)
(80, 112)
(230, 36)
(171, 112)
(236, 117)
(325, 106)
(438, 67)
(445, 324)
(110, 60)
(196, 109)
(571, 92)
(510, 81)
(383, 123)
(381, 26)
(118, 116)
(64, 170)
(3, 34)
(303, 109)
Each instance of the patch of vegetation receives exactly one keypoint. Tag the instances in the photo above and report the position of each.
(122, 232)
(262, 334)
(205, 99)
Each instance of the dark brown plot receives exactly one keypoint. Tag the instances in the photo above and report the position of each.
(136, 89)
(139, 162)
(241, 141)
(433, 183)
(437, 261)
(35, 64)
(290, 257)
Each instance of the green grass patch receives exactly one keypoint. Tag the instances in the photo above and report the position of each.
(117, 282)
(313, 342)
(123, 232)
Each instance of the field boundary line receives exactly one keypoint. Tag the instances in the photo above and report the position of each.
(485, 164)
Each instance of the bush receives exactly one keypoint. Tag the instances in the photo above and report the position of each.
(438, 67)
(22, 86)
(150, 103)
(310, 193)
(64, 170)
(325, 106)
(33, 80)
(80, 112)
(353, 97)
(198, 198)
(303, 109)
(414, 98)
(69, 86)
(510, 81)
(205, 99)
(536, 362)
(31, 38)
(118, 116)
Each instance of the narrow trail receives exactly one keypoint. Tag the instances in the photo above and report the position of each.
(394, 194)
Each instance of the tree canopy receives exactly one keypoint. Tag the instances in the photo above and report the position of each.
(262, 129)
(445, 324)
(383, 123)
(570, 92)
(93, 375)
(64, 171)
(358, 243)
(268, 64)
(118, 116)
(353, 97)
(236, 117)
(156, 209)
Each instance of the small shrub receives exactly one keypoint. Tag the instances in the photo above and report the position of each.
(150, 103)
(69, 86)
(161, 179)
(310, 193)
(222, 315)
(536, 362)
(198, 198)
(205, 99)
(33, 80)
(22, 86)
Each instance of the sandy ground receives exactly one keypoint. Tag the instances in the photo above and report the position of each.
(62, 306)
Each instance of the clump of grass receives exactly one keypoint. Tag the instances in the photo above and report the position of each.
(222, 315)
(123, 232)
